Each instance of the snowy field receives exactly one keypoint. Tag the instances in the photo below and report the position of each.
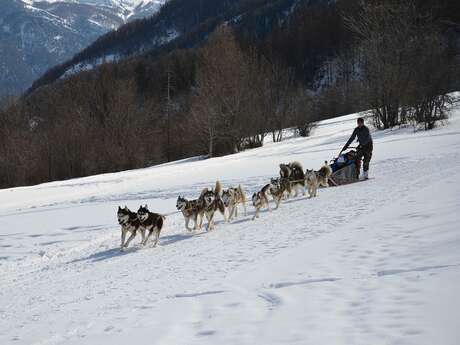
(373, 263)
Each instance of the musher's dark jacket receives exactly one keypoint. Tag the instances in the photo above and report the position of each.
(363, 134)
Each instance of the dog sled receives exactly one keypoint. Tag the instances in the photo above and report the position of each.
(345, 169)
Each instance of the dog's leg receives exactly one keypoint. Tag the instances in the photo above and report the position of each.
(233, 207)
(187, 222)
(278, 202)
(143, 241)
(208, 218)
(133, 234)
(230, 213)
(123, 237)
(224, 215)
(256, 215)
(148, 236)
(157, 237)
(245, 209)
(268, 204)
(201, 220)
(212, 221)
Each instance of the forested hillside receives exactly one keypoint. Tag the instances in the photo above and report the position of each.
(230, 73)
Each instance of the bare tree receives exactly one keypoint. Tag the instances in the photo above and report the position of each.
(428, 96)
(386, 31)
(282, 92)
(221, 93)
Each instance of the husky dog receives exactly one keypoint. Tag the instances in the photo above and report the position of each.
(191, 209)
(260, 200)
(277, 191)
(312, 182)
(285, 170)
(284, 184)
(314, 179)
(231, 198)
(211, 201)
(323, 175)
(151, 222)
(294, 173)
(129, 223)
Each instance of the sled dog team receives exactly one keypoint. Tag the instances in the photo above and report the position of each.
(292, 179)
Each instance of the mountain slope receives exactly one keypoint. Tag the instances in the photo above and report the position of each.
(368, 263)
(35, 36)
(179, 24)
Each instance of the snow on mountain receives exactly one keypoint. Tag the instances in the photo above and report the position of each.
(376, 262)
(127, 8)
(28, 31)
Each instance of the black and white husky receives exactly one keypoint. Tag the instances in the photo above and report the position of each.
(151, 222)
(129, 224)
(231, 198)
(260, 200)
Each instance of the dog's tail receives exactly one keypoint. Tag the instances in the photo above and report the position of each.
(327, 170)
(265, 189)
(285, 171)
(297, 170)
(243, 194)
(218, 189)
(296, 165)
(160, 222)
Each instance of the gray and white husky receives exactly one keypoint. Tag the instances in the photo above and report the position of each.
(231, 198)
(283, 184)
(278, 190)
(129, 224)
(191, 210)
(151, 222)
(211, 202)
(260, 200)
(314, 179)
(312, 183)
(323, 175)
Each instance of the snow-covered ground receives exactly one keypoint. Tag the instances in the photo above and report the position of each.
(373, 263)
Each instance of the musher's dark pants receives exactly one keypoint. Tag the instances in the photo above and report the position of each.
(366, 152)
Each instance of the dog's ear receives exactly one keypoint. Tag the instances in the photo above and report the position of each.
(119, 208)
(126, 208)
(146, 206)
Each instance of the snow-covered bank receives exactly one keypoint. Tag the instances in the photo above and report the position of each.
(372, 263)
